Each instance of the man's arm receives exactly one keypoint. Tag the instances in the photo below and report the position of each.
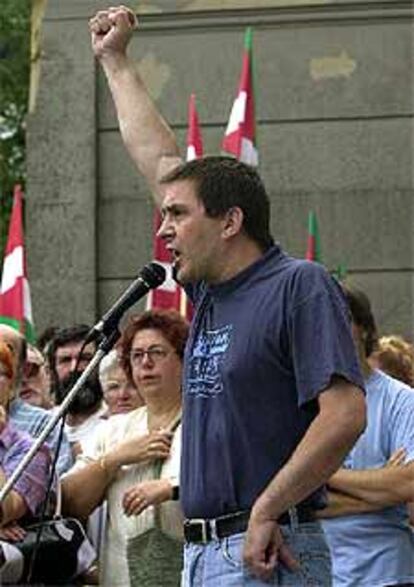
(340, 504)
(149, 140)
(333, 432)
(382, 487)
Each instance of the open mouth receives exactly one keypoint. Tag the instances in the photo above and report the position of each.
(175, 256)
(176, 259)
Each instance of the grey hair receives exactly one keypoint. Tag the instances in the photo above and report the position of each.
(108, 363)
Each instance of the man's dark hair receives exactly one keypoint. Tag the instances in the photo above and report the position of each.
(223, 183)
(44, 339)
(362, 316)
(62, 337)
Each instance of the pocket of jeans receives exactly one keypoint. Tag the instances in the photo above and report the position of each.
(309, 548)
(315, 567)
(231, 549)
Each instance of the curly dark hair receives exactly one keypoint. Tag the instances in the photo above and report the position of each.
(169, 322)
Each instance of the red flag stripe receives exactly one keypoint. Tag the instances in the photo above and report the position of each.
(15, 302)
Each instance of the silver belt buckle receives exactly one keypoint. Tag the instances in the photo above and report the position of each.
(204, 525)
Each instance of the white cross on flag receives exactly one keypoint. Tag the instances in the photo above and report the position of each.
(240, 136)
(15, 301)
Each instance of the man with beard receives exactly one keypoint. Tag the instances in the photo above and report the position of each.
(67, 360)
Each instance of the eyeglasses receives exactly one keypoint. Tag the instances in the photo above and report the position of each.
(155, 355)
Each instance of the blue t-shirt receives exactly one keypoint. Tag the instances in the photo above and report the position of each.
(262, 346)
(376, 549)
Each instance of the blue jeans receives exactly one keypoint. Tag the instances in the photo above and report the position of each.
(219, 562)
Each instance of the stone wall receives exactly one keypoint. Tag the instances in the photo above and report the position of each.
(334, 111)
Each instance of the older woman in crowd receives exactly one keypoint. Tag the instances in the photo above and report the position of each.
(120, 467)
(120, 393)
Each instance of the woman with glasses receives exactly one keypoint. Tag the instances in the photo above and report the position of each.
(122, 466)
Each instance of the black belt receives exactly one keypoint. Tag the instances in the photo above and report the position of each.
(204, 530)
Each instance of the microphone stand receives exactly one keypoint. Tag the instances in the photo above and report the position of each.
(104, 348)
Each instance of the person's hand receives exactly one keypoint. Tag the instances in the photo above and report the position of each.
(146, 448)
(111, 30)
(397, 458)
(12, 532)
(138, 497)
(264, 548)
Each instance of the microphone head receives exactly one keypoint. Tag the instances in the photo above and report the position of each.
(153, 274)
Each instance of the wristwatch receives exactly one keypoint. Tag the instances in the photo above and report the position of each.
(175, 496)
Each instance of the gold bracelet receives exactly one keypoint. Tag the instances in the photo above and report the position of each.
(103, 466)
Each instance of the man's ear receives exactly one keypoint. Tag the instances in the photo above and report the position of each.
(232, 222)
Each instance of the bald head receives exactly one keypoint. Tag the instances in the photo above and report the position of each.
(18, 343)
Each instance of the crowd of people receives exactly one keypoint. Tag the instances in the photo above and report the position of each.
(121, 472)
(120, 475)
(270, 442)
(122, 436)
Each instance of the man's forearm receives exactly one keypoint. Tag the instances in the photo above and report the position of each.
(327, 441)
(340, 504)
(383, 487)
(149, 140)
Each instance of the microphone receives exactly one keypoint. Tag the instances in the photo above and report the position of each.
(150, 277)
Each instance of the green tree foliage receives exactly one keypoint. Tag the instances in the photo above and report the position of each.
(14, 89)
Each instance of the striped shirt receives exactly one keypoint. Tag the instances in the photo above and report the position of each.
(31, 485)
(32, 420)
